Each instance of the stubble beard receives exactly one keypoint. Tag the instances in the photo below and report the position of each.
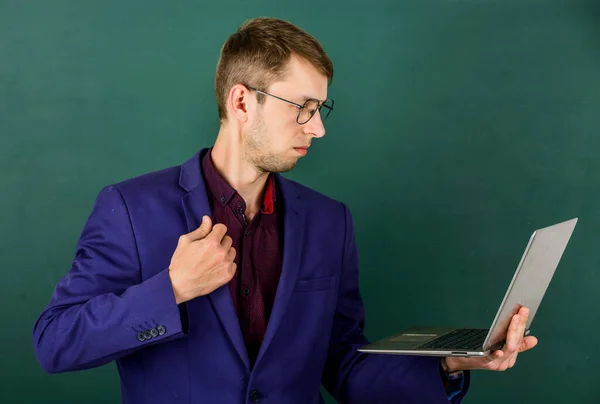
(257, 151)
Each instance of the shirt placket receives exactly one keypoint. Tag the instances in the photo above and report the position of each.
(246, 278)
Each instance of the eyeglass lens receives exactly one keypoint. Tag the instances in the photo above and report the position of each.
(310, 108)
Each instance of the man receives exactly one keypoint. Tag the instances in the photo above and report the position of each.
(220, 281)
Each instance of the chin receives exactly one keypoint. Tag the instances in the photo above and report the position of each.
(279, 169)
(273, 163)
(280, 166)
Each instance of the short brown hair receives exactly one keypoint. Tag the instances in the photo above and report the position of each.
(257, 55)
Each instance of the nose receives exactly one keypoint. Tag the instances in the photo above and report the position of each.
(315, 126)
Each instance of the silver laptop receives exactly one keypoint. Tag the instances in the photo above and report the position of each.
(527, 288)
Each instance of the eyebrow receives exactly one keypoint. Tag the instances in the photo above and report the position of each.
(306, 97)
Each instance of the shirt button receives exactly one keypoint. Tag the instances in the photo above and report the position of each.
(254, 396)
(246, 233)
(246, 291)
(222, 199)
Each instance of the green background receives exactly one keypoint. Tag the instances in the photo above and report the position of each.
(460, 127)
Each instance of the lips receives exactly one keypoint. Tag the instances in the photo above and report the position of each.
(302, 150)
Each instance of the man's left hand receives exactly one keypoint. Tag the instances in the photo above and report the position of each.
(503, 359)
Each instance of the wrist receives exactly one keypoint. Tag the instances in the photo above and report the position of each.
(178, 298)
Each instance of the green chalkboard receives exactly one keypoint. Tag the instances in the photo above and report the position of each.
(460, 127)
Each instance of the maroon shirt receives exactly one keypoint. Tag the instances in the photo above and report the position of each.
(258, 252)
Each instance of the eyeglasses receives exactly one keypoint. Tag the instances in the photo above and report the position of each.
(306, 110)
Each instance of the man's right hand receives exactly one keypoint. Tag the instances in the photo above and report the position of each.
(202, 261)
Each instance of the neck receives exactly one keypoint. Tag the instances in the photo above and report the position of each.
(231, 163)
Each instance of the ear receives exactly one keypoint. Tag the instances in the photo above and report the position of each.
(237, 102)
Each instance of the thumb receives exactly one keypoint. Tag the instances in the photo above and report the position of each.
(203, 230)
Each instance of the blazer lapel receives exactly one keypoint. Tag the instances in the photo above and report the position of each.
(195, 205)
(293, 236)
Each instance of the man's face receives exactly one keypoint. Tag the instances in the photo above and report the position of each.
(273, 140)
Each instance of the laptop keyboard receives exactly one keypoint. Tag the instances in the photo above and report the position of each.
(464, 339)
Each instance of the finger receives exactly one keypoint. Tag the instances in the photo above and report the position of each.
(226, 243)
(494, 356)
(218, 232)
(513, 360)
(523, 316)
(493, 360)
(225, 272)
(203, 230)
(232, 268)
(528, 343)
(512, 336)
(524, 313)
(231, 254)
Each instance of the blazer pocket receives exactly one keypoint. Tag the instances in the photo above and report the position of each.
(305, 285)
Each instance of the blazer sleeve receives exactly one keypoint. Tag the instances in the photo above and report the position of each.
(101, 310)
(354, 377)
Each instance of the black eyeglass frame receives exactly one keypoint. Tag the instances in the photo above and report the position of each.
(300, 107)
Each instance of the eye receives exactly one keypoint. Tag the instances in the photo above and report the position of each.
(310, 107)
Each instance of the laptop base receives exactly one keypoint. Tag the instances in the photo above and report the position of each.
(432, 341)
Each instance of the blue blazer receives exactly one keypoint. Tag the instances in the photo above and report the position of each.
(116, 303)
